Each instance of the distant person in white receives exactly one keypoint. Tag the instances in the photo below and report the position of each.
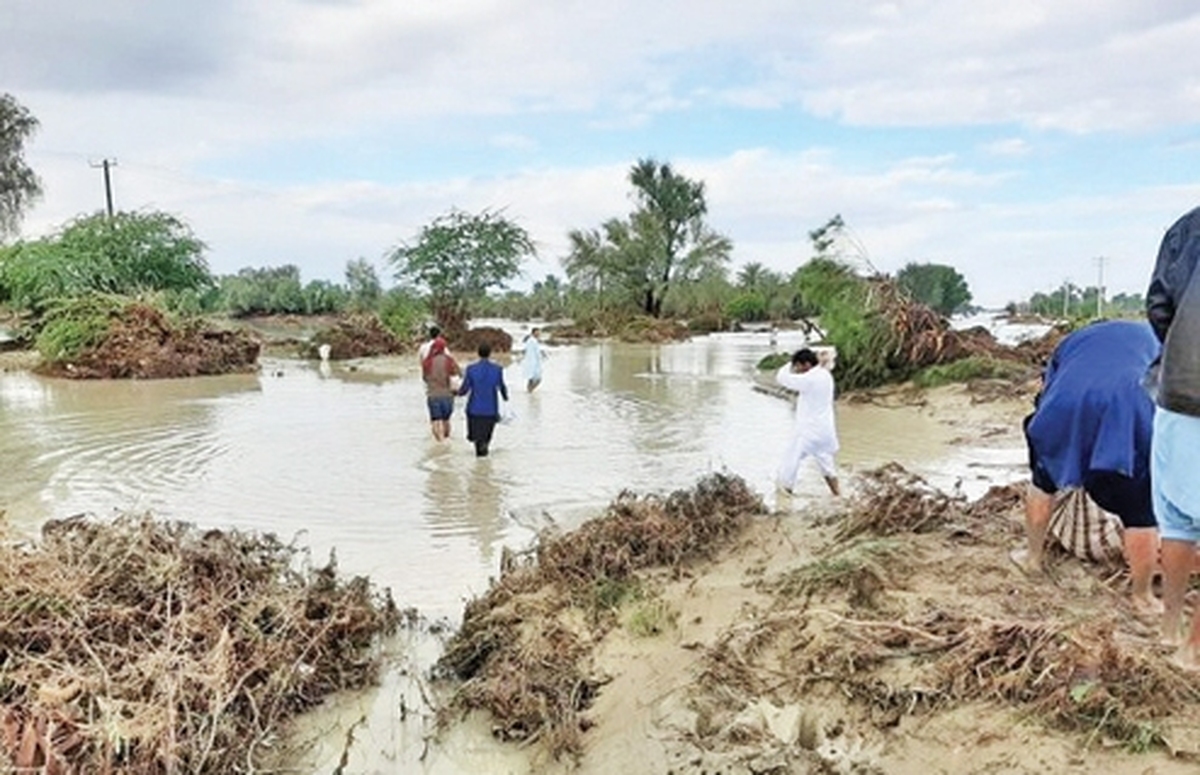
(814, 433)
(531, 361)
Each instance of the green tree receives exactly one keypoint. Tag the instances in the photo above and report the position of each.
(362, 283)
(19, 186)
(458, 257)
(129, 253)
(939, 287)
(663, 243)
(263, 291)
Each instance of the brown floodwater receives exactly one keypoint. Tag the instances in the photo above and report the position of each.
(343, 460)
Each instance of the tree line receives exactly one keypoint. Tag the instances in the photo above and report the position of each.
(663, 259)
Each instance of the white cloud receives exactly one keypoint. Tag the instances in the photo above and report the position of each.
(173, 89)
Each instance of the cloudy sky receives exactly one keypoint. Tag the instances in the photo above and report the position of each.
(1015, 140)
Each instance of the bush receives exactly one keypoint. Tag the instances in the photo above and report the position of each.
(71, 326)
(747, 306)
(127, 254)
(404, 314)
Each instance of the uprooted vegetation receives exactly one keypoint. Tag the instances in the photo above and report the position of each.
(100, 336)
(149, 647)
(908, 608)
(523, 652)
(882, 336)
(353, 336)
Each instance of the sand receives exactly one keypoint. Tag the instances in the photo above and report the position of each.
(886, 668)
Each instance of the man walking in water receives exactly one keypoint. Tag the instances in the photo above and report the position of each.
(484, 381)
(531, 361)
(814, 433)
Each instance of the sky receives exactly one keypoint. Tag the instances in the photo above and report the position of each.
(1023, 143)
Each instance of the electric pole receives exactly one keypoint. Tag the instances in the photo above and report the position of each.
(106, 164)
(1066, 295)
(1100, 286)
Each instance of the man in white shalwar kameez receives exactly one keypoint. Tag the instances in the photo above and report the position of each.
(814, 433)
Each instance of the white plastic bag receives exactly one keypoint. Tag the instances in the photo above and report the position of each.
(508, 415)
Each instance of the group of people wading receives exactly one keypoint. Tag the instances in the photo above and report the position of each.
(482, 382)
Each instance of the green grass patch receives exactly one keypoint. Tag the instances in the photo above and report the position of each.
(652, 617)
(974, 367)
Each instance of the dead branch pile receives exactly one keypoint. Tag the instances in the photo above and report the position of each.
(894, 500)
(650, 531)
(1081, 678)
(354, 336)
(150, 647)
(999, 501)
(522, 655)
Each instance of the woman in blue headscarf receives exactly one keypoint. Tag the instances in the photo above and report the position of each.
(1091, 429)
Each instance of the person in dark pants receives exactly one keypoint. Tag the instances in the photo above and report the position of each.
(484, 382)
(1091, 428)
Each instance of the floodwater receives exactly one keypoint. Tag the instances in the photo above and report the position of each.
(342, 459)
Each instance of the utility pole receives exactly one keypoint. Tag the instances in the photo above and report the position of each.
(1066, 295)
(105, 164)
(1100, 286)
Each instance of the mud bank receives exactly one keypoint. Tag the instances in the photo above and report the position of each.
(887, 633)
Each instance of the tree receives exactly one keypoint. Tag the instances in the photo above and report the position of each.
(126, 254)
(663, 243)
(458, 257)
(939, 287)
(19, 186)
(362, 282)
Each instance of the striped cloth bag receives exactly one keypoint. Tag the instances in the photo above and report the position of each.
(1084, 529)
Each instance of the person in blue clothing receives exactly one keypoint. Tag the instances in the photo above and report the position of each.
(484, 382)
(1091, 428)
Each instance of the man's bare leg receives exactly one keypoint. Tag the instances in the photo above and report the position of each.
(1177, 559)
(1039, 507)
(1141, 552)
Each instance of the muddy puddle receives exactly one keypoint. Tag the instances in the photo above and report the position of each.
(341, 458)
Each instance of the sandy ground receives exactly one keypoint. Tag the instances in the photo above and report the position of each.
(874, 671)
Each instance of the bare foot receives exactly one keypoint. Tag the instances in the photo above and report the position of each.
(1026, 563)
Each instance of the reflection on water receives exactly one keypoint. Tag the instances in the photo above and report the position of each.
(345, 457)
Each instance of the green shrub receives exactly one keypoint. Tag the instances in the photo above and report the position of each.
(403, 313)
(71, 326)
(747, 306)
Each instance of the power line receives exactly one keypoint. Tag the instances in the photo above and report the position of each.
(106, 164)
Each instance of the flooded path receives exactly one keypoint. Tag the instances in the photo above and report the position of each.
(343, 460)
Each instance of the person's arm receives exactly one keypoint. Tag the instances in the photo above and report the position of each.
(1160, 296)
(502, 386)
(465, 387)
(1177, 257)
(790, 379)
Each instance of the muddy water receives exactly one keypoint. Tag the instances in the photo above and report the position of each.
(343, 459)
